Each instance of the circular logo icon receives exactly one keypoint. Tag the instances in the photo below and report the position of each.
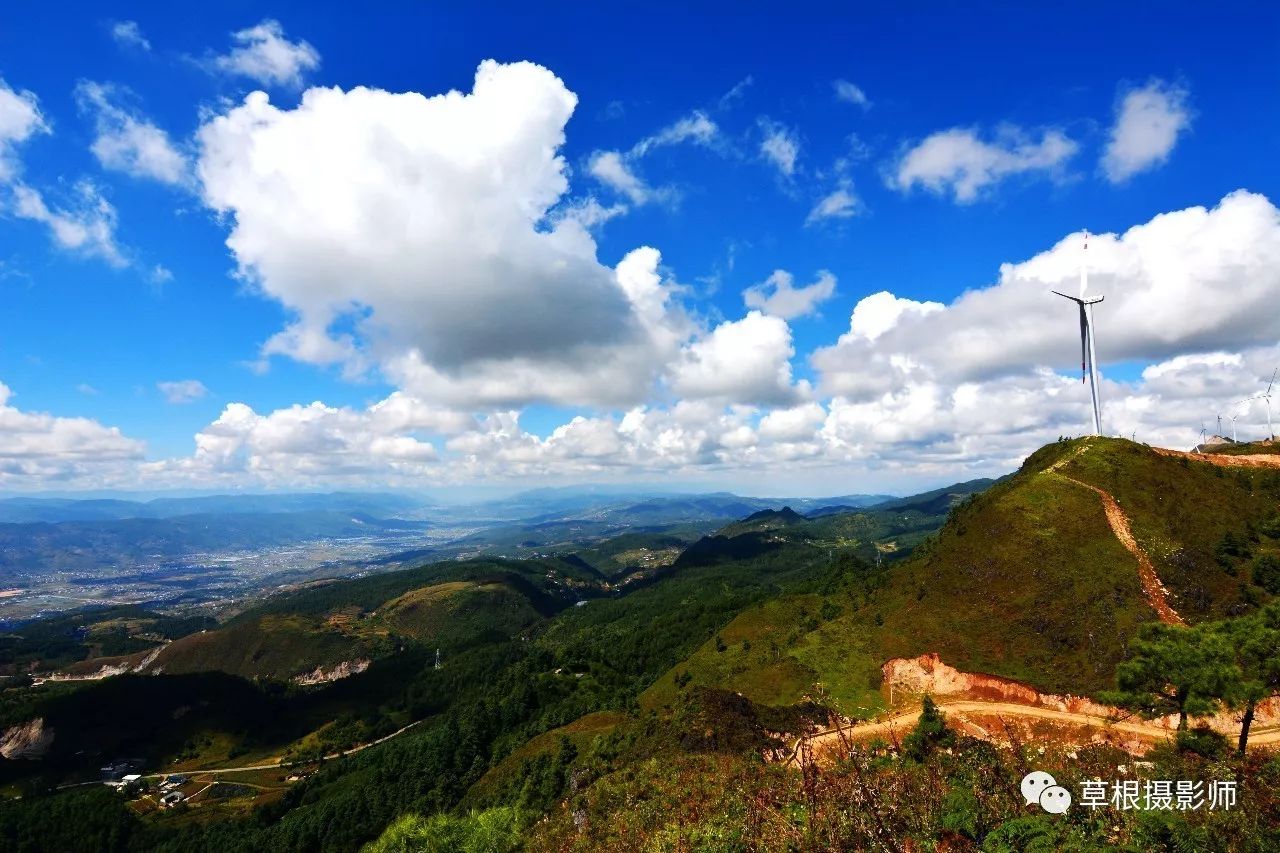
(1034, 784)
(1055, 799)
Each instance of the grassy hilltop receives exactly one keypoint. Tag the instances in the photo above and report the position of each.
(1026, 580)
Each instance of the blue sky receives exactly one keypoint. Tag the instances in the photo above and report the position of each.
(946, 142)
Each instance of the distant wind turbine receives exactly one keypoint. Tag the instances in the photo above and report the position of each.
(1265, 397)
(1088, 357)
(1233, 426)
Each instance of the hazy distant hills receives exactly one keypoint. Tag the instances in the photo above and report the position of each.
(629, 505)
(81, 545)
(533, 505)
(63, 552)
(54, 510)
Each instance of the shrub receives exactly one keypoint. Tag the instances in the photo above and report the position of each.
(1203, 741)
(1266, 573)
(930, 733)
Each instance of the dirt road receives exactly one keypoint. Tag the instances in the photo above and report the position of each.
(904, 720)
(276, 763)
(1254, 460)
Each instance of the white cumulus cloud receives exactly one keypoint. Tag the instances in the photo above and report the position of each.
(412, 233)
(40, 449)
(1191, 281)
(1148, 122)
(959, 161)
(747, 360)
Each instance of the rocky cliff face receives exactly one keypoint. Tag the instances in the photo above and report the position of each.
(28, 740)
(928, 674)
(320, 675)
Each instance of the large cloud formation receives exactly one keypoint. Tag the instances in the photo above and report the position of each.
(434, 242)
(912, 394)
(414, 234)
(1195, 280)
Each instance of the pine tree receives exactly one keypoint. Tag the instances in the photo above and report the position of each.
(1176, 670)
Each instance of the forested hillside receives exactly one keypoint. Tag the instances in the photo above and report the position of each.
(629, 691)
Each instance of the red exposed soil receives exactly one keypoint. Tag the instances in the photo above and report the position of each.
(992, 707)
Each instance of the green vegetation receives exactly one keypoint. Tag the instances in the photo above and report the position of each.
(1245, 448)
(265, 647)
(1234, 663)
(1198, 522)
(639, 719)
(1176, 670)
(962, 798)
(59, 641)
(930, 733)
(492, 831)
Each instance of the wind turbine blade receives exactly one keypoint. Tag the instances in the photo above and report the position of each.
(1084, 344)
(1273, 379)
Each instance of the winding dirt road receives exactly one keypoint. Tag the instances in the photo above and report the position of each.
(278, 763)
(903, 720)
(1156, 594)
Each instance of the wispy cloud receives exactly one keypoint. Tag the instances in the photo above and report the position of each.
(182, 390)
(852, 94)
(619, 170)
(128, 34)
(126, 142)
(779, 146)
(264, 54)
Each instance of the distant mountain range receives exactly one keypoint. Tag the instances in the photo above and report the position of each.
(545, 503)
(54, 510)
(62, 552)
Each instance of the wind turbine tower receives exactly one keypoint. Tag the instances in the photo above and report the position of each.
(1088, 355)
(1265, 397)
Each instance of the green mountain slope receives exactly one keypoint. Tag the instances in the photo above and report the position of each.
(1027, 580)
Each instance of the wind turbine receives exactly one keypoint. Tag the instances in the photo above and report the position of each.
(1088, 358)
(1265, 397)
(1233, 427)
